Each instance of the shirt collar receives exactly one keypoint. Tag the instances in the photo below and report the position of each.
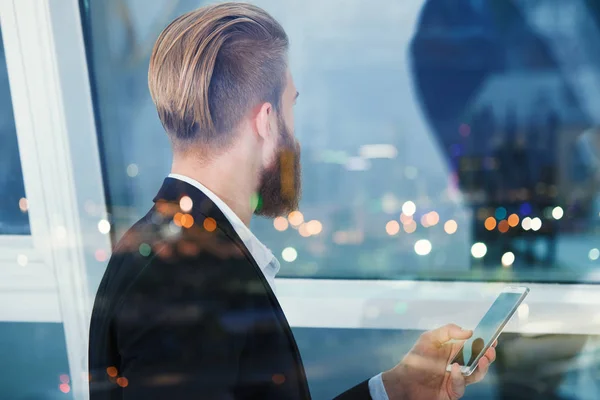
(261, 254)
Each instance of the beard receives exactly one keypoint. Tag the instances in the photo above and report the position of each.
(280, 185)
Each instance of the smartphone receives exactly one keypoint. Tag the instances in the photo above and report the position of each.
(489, 328)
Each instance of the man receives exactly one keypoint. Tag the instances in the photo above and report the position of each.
(186, 308)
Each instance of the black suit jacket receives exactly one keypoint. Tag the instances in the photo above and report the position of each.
(184, 312)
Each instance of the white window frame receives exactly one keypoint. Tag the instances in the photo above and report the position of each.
(55, 124)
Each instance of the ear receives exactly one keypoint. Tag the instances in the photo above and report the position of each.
(263, 121)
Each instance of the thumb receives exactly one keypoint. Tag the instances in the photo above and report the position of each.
(456, 383)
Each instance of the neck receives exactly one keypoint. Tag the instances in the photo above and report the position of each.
(223, 176)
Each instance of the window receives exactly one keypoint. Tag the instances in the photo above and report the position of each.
(14, 219)
(460, 144)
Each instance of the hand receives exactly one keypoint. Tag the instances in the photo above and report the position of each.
(422, 373)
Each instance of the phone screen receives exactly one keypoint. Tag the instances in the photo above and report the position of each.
(488, 327)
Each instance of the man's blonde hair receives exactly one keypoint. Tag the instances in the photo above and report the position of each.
(209, 67)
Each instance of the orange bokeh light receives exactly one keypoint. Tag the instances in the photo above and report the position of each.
(490, 223)
(410, 227)
(209, 224)
(405, 219)
(303, 230)
(177, 219)
(122, 381)
(111, 371)
(314, 227)
(187, 221)
(513, 220)
(503, 226)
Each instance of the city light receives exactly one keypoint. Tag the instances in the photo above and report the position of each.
(132, 170)
(432, 218)
(594, 254)
(409, 208)
(405, 219)
(503, 226)
(536, 224)
(508, 259)
(451, 227)
(557, 213)
(378, 151)
(490, 223)
(479, 250)
(392, 228)
(23, 204)
(296, 218)
(64, 387)
(410, 227)
(209, 224)
(104, 226)
(303, 230)
(289, 254)
(500, 213)
(22, 260)
(526, 224)
(186, 204)
(513, 220)
(187, 221)
(423, 247)
(280, 224)
(314, 227)
(100, 255)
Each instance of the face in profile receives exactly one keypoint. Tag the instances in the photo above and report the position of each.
(281, 185)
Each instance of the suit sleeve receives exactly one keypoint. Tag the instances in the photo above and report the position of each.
(178, 335)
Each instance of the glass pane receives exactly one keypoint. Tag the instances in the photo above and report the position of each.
(14, 219)
(460, 144)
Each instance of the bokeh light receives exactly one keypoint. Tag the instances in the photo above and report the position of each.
(423, 247)
(410, 227)
(187, 221)
(405, 219)
(23, 204)
(289, 254)
(490, 223)
(557, 213)
(432, 218)
(104, 226)
(303, 230)
(594, 254)
(478, 250)
(526, 224)
(209, 224)
(508, 259)
(314, 227)
(280, 224)
(64, 387)
(392, 228)
(186, 204)
(409, 208)
(451, 227)
(500, 213)
(503, 226)
(536, 224)
(132, 170)
(296, 218)
(513, 220)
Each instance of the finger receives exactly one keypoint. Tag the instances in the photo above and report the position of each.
(490, 354)
(495, 343)
(448, 332)
(482, 369)
(457, 383)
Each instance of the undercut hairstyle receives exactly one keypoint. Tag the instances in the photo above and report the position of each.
(211, 66)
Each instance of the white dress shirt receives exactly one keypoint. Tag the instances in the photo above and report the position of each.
(267, 262)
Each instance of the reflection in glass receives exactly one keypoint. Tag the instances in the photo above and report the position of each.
(14, 219)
